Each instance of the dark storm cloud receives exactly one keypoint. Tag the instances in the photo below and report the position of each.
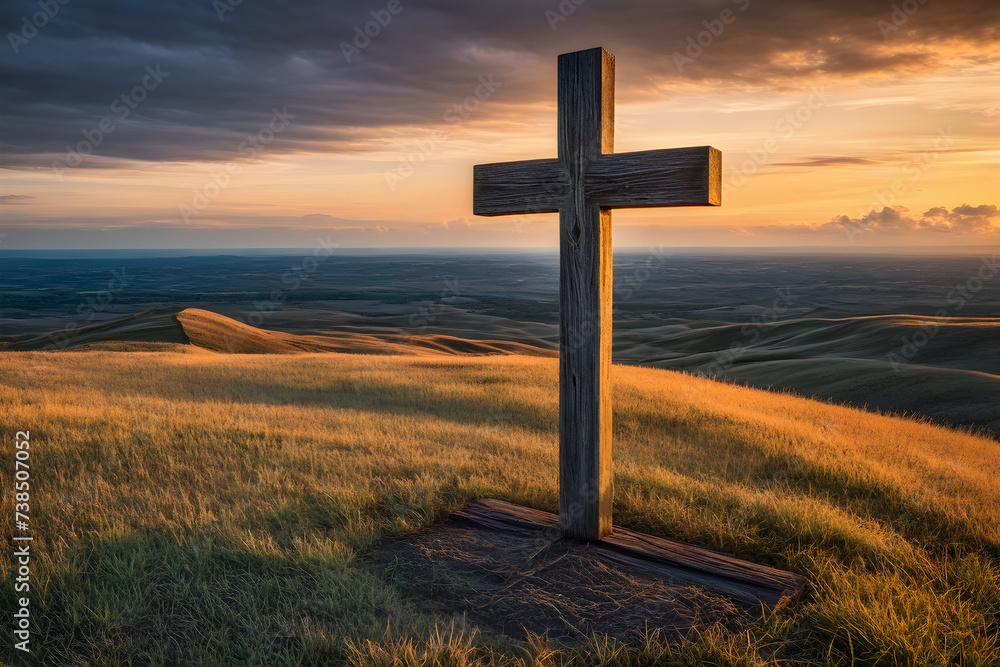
(223, 72)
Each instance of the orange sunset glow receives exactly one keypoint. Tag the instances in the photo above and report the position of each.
(849, 125)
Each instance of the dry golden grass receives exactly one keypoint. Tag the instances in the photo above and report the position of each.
(203, 508)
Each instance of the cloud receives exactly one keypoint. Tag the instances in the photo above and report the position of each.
(226, 75)
(964, 219)
(457, 223)
(14, 199)
(826, 162)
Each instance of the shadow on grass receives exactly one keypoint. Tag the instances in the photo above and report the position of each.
(201, 601)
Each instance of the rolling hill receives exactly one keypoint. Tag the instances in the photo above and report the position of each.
(196, 507)
(946, 369)
(954, 378)
(159, 329)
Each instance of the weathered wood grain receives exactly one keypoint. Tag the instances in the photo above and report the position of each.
(586, 181)
(643, 179)
(586, 131)
(646, 179)
(513, 188)
(740, 579)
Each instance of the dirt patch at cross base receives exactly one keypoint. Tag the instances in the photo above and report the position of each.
(537, 583)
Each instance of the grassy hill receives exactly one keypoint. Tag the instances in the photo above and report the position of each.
(951, 377)
(195, 507)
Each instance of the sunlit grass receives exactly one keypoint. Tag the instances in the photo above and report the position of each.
(203, 508)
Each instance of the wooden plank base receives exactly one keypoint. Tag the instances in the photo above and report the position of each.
(509, 569)
(739, 579)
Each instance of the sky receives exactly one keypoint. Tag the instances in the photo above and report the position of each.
(255, 123)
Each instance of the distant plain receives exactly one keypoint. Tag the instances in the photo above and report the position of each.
(898, 333)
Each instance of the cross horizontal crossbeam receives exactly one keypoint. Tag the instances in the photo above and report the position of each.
(643, 179)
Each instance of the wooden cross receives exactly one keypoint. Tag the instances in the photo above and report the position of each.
(583, 184)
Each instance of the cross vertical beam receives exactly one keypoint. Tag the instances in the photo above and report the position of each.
(586, 132)
(583, 184)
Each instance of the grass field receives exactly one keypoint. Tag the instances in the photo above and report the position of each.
(191, 507)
